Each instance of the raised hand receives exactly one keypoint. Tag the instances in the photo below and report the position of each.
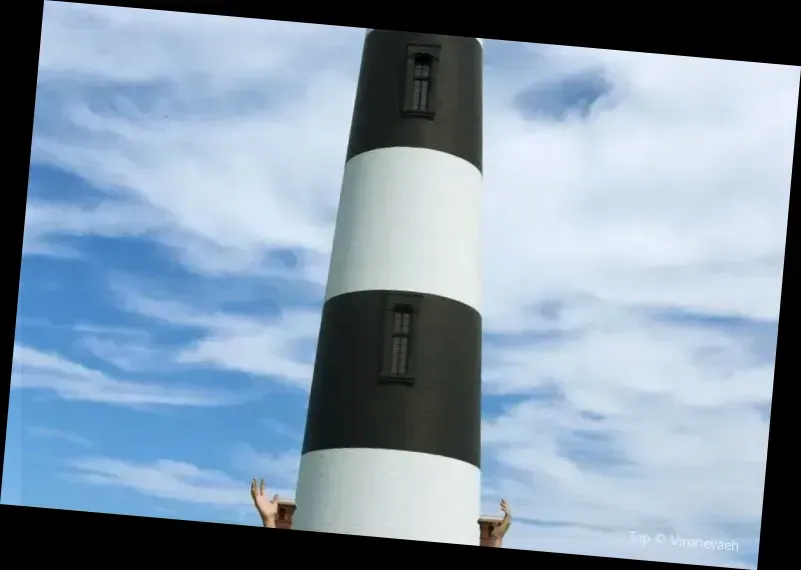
(268, 509)
(502, 528)
(507, 512)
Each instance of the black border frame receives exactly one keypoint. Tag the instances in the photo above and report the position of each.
(71, 536)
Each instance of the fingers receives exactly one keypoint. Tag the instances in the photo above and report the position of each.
(261, 488)
(275, 498)
(253, 488)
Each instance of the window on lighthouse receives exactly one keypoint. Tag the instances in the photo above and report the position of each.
(420, 81)
(401, 329)
(421, 89)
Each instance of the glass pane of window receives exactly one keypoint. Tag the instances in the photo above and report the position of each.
(396, 345)
(416, 94)
(403, 355)
(424, 96)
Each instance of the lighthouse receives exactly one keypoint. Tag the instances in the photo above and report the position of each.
(392, 443)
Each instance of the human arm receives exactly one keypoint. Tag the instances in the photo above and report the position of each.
(500, 531)
(268, 509)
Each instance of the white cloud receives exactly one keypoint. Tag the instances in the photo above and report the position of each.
(692, 165)
(674, 197)
(276, 347)
(56, 434)
(216, 223)
(81, 328)
(36, 370)
(129, 356)
(220, 49)
(655, 428)
(277, 469)
(165, 479)
(290, 432)
(176, 482)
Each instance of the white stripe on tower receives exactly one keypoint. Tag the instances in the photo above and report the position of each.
(392, 442)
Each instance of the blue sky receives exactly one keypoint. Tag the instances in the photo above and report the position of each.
(184, 179)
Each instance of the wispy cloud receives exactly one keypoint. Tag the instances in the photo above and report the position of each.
(125, 355)
(288, 431)
(34, 369)
(176, 482)
(165, 479)
(125, 348)
(56, 434)
(83, 328)
(276, 468)
(280, 347)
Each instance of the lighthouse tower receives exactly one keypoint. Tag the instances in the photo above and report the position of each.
(392, 441)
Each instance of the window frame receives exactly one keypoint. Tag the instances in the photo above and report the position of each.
(415, 52)
(403, 304)
(421, 98)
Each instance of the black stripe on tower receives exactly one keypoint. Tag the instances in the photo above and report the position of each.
(428, 400)
(419, 90)
(402, 370)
